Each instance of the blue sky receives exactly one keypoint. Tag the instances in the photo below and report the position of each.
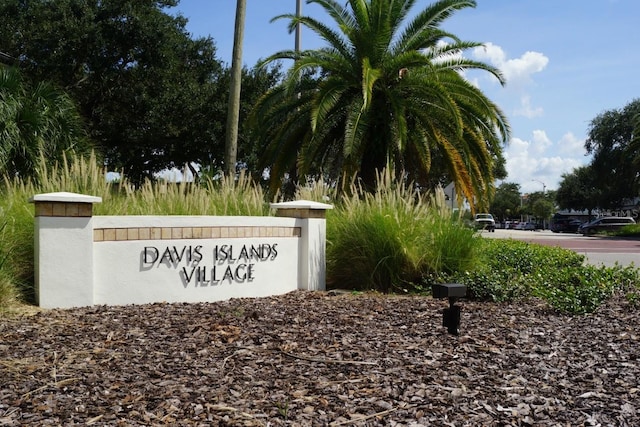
(566, 61)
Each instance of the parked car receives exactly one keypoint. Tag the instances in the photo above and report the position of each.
(485, 221)
(566, 225)
(607, 223)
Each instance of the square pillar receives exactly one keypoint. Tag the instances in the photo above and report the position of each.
(63, 249)
(312, 262)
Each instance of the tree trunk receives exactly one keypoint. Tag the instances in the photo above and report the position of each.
(233, 112)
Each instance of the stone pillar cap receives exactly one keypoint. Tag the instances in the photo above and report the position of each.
(301, 204)
(65, 197)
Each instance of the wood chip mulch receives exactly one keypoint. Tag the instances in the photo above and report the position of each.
(315, 359)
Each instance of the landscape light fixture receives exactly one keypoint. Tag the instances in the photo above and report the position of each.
(451, 315)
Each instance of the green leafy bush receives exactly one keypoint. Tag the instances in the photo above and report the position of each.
(512, 270)
(16, 251)
(633, 297)
(8, 292)
(583, 289)
(631, 230)
(387, 241)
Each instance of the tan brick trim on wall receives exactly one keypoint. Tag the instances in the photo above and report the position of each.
(64, 209)
(301, 213)
(177, 233)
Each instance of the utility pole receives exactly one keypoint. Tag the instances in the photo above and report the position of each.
(544, 186)
(298, 26)
(544, 197)
(233, 110)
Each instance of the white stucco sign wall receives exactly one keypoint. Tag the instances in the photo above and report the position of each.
(85, 260)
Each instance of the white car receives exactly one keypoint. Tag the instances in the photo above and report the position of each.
(485, 221)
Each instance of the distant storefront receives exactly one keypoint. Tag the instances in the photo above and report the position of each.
(630, 210)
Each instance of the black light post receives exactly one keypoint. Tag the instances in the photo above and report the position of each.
(451, 315)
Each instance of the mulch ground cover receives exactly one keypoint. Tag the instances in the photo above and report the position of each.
(315, 359)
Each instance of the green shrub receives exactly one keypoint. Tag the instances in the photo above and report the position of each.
(583, 289)
(210, 197)
(512, 270)
(317, 191)
(16, 251)
(633, 297)
(9, 295)
(631, 230)
(389, 240)
(8, 292)
(508, 269)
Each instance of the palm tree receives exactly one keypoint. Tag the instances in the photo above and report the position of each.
(35, 123)
(383, 94)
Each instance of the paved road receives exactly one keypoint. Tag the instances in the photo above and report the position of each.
(598, 250)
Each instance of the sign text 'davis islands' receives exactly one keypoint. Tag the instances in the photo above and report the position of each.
(229, 263)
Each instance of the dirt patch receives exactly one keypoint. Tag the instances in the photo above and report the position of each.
(311, 359)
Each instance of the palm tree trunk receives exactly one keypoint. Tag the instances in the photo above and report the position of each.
(233, 111)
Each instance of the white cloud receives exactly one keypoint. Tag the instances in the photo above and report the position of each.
(531, 163)
(570, 144)
(491, 53)
(519, 70)
(541, 142)
(538, 161)
(518, 159)
(527, 110)
(516, 71)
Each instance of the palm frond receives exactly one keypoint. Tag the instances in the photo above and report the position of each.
(355, 127)
(329, 94)
(370, 76)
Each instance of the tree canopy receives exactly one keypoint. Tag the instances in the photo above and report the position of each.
(507, 201)
(384, 92)
(614, 167)
(579, 190)
(542, 208)
(36, 122)
(152, 97)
